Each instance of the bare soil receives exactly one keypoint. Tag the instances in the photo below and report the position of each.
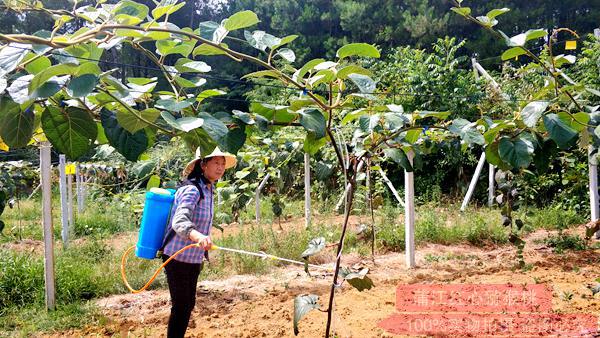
(262, 306)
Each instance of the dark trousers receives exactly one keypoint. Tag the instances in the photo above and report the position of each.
(182, 279)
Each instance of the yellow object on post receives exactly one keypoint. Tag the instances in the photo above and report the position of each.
(70, 169)
(571, 45)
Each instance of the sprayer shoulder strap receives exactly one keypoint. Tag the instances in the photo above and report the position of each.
(171, 232)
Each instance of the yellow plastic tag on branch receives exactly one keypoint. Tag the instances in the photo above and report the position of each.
(70, 169)
(3, 146)
(571, 45)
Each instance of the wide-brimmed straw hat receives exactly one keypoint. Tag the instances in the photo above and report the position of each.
(230, 160)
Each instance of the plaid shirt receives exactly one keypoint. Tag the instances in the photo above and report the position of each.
(201, 217)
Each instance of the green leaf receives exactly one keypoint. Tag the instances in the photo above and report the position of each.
(184, 124)
(398, 156)
(306, 68)
(188, 66)
(559, 129)
(285, 41)
(315, 246)
(244, 117)
(532, 112)
(513, 53)
(261, 40)
(16, 126)
(159, 11)
(206, 49)
(495, 12)
(215, 128)
(71, 130)
(493, 157)
(579, 121)
(412, 135)
(82, 85)
(352, 69)
(153, 182)
(516, 152)
(172, 105)
(263, 73)
(302, 305)
(521, 39)
(131, 146)
(357, 49)
(240, 20)
(132, 123)
(42, 77)
(209, 93)
(168, 47)
(38, 65)
(467, 131)
(130, 12)
(364, 83)
(359, 280)
(464, 11)
(313, 121)
(312, 144)
(199, 138)
(11, 56)
(235, 139)
(287, 54)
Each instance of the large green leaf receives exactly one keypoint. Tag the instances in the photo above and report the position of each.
(82, 85)
(130, 12)
(532, 112)
(206, 49)
(315, 246)
(235, 139)
(240, 20)
(159, 11)
(10, 57)
(364, 83)
(133, 123)
(467, 131)
(516, 152)
(495, 12)
(521, 39)
(357, 49)
(172, 104)
(168, 47)
(71, 130)
(287, 54)
(42, 77)
(359, 280)
(261, 40)
(513, 53)
(306, 68)
(188, 66)
(16, 126)
(199, 138)
(215, 128)
(464, 11)
(559, 129)
(312, 144)
(313, 121)
(302, 305)
(184, 123)
(38, 65)
(131, 146)
(398, 156)
(209, 93)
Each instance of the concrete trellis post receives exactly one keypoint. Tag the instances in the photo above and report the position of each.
(473, 182)
(64, 208)
(409, 213)
(46, 182)
(391, 186)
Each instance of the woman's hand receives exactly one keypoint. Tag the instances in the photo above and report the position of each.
(204, 241)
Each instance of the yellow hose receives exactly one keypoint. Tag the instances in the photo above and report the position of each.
(162, 266)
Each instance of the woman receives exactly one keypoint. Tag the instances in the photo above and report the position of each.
(190, 223)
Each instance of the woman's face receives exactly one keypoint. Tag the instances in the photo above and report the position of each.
(214, 168)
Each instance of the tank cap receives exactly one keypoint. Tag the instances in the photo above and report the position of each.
(160, 191)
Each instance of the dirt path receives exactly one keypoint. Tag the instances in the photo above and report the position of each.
(262, 306)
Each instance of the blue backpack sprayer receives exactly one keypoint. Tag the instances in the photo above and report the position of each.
(155, 219)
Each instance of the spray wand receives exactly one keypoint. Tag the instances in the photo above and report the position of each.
(260, 254)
